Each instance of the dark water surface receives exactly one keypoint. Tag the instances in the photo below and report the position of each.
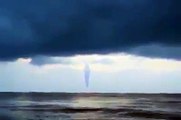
(66, 106)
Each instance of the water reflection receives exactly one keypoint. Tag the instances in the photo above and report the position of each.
(98, 102)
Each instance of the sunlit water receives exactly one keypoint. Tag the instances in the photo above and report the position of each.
(58, 106)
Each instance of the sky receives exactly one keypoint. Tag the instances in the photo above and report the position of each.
(126, 46)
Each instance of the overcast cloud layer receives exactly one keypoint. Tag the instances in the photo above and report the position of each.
(68, 27)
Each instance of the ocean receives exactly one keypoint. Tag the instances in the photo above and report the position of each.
(89, 106)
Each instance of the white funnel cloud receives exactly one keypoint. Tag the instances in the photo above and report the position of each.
(87, 74)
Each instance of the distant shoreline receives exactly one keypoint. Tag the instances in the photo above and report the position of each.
(93, 93)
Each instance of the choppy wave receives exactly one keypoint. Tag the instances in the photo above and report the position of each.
(91, 106)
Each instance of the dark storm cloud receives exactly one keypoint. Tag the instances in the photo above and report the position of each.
(67, 27)
(157, 51)
(43, 60)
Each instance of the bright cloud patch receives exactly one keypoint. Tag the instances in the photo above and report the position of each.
(113, 62)
(109, 73)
